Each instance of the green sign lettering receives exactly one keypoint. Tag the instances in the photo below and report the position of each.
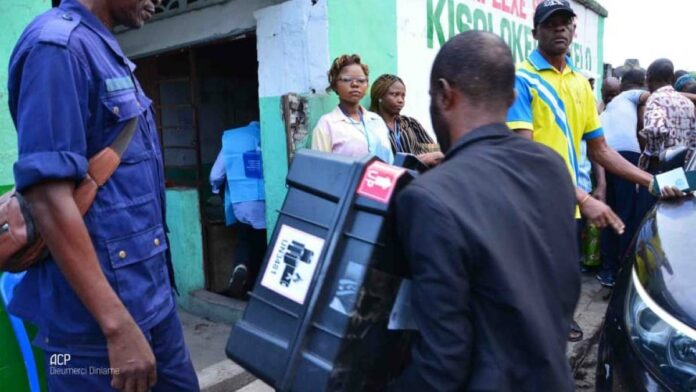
(463, 11)
(434, 22)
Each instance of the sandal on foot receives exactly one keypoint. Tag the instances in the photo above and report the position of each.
(575, 334)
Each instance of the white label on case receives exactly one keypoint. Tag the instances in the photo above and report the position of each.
(292, 263)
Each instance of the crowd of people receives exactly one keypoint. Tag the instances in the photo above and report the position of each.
(643, 114)
(462, 279)
(489, 232)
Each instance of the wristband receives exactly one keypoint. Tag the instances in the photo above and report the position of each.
(584, 199)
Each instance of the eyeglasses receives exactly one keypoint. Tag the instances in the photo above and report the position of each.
(349, 80)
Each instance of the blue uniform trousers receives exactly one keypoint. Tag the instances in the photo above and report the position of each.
(88, 373)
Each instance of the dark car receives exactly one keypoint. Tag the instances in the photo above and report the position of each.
(648, 341)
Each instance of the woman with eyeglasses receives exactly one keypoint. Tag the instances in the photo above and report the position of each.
(406, 134)
(350, 129)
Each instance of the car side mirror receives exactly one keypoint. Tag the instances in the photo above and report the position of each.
(672, 158)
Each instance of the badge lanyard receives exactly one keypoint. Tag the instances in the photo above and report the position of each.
(397, 136)
(362, 121)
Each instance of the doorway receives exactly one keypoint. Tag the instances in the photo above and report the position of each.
(198, 92)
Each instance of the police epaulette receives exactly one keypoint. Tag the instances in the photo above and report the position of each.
(58, 29)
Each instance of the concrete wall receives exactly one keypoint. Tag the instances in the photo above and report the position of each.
(195, 27)
(14, 16)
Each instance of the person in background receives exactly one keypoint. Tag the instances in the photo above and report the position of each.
(621, 122)
(350, 129)
(669, 120)
(494, 277)
(679, 73)
(685, 81)
(406, 134)
(611, 87)
(238, 168)
(562, 117)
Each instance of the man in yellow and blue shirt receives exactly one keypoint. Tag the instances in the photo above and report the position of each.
(555, 106)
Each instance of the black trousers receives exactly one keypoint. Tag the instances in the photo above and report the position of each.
(623, 198)
(250, 251)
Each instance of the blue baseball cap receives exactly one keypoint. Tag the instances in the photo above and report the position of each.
(549, 7)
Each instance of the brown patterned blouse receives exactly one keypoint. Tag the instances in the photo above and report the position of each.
(669, 120)
(414, 138)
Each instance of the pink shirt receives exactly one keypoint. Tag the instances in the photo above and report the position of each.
(335, 132)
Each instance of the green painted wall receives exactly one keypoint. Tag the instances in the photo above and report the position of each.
(600, 57)
(374, 41)
(16, 14)
(185, 242)
(275, 157)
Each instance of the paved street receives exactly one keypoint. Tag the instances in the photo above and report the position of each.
(590, 315)
(206, 341)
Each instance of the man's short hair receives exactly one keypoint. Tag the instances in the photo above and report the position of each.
(479, 65)
(632, 79)
(661, 70)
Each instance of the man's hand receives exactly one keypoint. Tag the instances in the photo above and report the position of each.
(59, 221)
(431, 159)
(132, 358)
(600, 193)
(668, 192)
(600, 215)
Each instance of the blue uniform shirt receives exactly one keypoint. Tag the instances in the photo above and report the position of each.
(71, 91)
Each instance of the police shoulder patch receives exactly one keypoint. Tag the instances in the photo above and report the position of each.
(59, 28)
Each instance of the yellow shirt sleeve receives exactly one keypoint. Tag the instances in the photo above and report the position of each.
(593, 125)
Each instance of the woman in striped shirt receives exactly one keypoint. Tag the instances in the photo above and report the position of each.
(406, 134)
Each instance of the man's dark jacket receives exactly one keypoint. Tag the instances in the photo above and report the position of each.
(490, 238)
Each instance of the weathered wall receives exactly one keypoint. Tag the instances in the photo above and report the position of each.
(191, 28)
(14, 16)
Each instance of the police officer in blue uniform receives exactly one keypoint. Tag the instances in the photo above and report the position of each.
(105, 295)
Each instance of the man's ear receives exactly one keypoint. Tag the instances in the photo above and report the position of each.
(447, 94)
(534, 33)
